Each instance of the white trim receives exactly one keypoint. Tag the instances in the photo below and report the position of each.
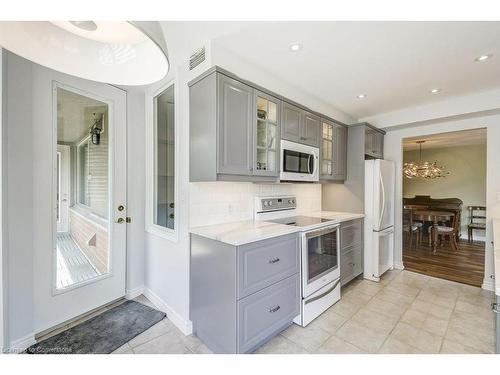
(186, 326)
(20, 345)
(488, 284)
(134, 293)
(150, 107)
(399, 265)
(3, 265)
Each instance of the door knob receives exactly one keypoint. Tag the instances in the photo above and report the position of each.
(121, 207)
(120, 220)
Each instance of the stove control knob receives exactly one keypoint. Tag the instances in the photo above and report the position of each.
(270, 203)
(289, 201)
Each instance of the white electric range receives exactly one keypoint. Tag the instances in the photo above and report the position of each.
(320, 253)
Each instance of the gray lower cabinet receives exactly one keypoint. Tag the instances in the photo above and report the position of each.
(241, 296)
(351, 250)
(299, 125)
(333, 151)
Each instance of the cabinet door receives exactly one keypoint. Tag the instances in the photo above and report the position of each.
(326, 150)
(291, 122)
(235, 127)
(339, 153)
(266, 135)
(310, 134)
(379, 145)
(370, 142)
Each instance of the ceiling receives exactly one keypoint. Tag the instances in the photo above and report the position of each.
(395, 64)
(451, 139)
(74, 115)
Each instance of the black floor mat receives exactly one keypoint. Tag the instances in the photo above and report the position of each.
(102, 334)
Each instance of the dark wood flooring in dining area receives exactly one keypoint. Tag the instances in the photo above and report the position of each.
(464, 266)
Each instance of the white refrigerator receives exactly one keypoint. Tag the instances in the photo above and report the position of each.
(379, 218)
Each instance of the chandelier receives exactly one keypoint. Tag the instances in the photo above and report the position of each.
(424, 169)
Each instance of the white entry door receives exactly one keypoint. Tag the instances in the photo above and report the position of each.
(81, 267)
(63, 184)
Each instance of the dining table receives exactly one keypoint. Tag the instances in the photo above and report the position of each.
(435, 217)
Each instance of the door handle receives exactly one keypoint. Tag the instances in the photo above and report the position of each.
(120, 220)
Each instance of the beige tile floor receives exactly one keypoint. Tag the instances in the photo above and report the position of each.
(405, 313)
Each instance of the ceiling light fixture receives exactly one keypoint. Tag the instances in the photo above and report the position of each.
(361, 96)
(435, 91)
(114, 52)
(294, 47)
(483, 57)
(425, 170)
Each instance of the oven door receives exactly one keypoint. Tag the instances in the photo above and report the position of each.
(320, 258)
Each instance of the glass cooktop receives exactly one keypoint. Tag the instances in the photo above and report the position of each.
(300, 221)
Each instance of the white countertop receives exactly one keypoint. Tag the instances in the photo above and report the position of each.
(496, 254)
(243, 232)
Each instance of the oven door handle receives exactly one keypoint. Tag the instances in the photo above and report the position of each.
(324, 294)
(322, 231)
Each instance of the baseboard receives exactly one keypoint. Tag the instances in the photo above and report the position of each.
(488, 284)
(186, 326)
(20, 345)
(134, 293)
(399, 265)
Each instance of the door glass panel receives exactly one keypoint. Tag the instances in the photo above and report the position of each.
(82, 251)
(261, 159)
(271, 137)
(261, 133)
(272, 112)
(322, 254)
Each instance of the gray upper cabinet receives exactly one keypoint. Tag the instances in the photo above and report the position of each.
(333, 151)
(310, 129)
(235, 127)
(291, 124)
(374, 143)
(300, 126)
(234, 131)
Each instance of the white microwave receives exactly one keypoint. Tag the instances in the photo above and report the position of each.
(299, 162)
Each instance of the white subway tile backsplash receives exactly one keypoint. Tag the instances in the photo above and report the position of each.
(223, 202)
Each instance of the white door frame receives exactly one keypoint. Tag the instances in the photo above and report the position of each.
(64, 185)
(51, 306)
(3, 266)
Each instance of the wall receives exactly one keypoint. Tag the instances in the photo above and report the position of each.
(18, 195)
(393, 151)
(221, 202)
(467, 178)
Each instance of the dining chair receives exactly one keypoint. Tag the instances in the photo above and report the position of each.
(477, 220)
(450, 231)
(410, 227)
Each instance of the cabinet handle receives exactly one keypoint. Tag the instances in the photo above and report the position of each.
(494, 307)
(274, 260)
(274, 309)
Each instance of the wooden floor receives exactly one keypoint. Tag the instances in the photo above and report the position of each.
(464, 266)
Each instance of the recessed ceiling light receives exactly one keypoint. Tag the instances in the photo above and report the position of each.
(361, 96)
(435, 91)
(483, 57)
(294, 47)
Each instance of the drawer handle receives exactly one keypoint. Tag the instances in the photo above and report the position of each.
(274, 260)
(494, 307)
(274, 309)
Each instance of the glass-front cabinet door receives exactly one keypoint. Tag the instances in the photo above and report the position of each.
(326, 149)
(267, 135)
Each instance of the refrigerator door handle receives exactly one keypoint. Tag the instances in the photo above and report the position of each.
(383, 199)
(386, 232)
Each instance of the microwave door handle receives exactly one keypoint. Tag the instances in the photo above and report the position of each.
(309, 163)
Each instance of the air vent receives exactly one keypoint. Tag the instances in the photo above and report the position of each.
(197, 58)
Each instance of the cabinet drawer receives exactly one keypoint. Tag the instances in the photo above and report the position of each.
(266, 312)
(351, 233)
(263, 263)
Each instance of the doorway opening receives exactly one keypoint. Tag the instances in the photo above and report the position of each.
(82, 186)
(444, 205)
